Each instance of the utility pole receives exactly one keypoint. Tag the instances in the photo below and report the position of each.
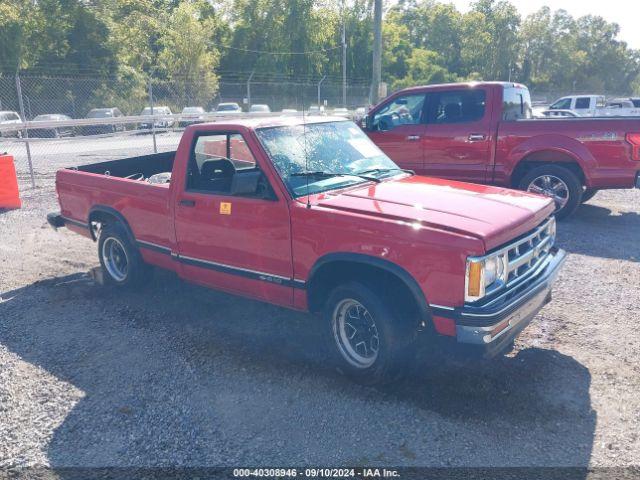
(344, 59)
(377, 51)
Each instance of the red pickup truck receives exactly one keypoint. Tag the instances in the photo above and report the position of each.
(311, 215)
(484, 133)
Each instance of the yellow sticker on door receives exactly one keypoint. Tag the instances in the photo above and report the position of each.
(225, 208)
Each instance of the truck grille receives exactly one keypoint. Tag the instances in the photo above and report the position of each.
(526, 254)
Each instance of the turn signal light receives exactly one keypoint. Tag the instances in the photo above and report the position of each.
(475, 277)
(634, 140)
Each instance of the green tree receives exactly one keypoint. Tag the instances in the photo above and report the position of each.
(187, 56)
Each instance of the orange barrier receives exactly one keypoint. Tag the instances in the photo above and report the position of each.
(9, 195)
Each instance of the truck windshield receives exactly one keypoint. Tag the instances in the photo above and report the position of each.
(318, 157)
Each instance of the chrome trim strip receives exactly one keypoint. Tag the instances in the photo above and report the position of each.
(224, 268)
(154, 246)
(77, 223)
(441, 307)
(231, 267)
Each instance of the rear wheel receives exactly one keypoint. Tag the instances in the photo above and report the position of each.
(370, 340)
(556, 182)
(120, 259)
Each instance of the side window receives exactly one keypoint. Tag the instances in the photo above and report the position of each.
(583, 103)
(457, 106)
(562, 104)
(516, 104)
(405, 110)
(215, 160)
(240, 153)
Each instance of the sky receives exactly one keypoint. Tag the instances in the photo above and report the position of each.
(623, 12)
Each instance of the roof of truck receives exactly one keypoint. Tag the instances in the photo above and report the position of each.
(273, 121)
(465, 85)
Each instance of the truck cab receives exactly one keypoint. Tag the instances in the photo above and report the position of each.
(583, 105)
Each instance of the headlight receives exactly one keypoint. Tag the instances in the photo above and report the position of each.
(483, 275)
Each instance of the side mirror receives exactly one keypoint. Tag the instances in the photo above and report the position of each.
(245, 183)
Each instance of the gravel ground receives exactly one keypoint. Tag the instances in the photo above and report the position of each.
(179, 375)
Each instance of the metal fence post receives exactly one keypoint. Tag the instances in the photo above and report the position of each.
(153, 120)
(249, 90)
(26, 131)
(319, 85)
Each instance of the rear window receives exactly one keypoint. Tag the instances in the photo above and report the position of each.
(516, 104)
(456, 106)
(583, 103)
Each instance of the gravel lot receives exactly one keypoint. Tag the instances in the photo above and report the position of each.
(179, 375)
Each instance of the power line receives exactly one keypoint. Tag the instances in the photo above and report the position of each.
(265, 52)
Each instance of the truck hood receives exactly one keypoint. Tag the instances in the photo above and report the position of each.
(494, 215)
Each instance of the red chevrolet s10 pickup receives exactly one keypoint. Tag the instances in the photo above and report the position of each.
(311, 215)
(484, 133)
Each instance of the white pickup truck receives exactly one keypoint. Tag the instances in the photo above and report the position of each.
(598, 106)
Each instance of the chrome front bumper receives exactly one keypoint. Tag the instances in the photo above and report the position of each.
(491, 327)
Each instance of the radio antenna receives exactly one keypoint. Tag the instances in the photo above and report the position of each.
(304, 136)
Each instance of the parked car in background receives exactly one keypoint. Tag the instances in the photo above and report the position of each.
(583, 105)
(8, 122)
(161, 121)
(315, 110)
(228, 108)
(259, 108)
(557, 114)
(384, 258)
(111, 112)
(627, 107)
(598, 106)
(52, 131)
(484, 132)
(191, 116)
(340, 112)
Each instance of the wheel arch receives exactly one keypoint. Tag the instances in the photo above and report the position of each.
(368, 269)
(106, 214)
(548, 156)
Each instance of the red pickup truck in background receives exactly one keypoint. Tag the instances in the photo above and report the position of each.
(484, 133)
(313, 216)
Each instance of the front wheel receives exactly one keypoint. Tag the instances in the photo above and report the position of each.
(556, 182)
(371, 342)
(119, 258)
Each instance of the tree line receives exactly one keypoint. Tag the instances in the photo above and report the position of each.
(192, 43)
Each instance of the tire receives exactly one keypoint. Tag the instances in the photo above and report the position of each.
(588, 194)
(379, 324)
(120, 260)
(546, 179)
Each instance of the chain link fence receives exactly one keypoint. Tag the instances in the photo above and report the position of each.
(52, 122)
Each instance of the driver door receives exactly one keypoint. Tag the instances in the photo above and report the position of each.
(236, 243)
(398, 129)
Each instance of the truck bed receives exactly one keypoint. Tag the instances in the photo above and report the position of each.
(104, 187)
(145, 165)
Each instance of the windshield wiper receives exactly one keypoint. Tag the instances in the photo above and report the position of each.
(384, 170)
(321, 174)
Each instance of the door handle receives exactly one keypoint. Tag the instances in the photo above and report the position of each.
(413, 138)
(477, 137)
(187, 203)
